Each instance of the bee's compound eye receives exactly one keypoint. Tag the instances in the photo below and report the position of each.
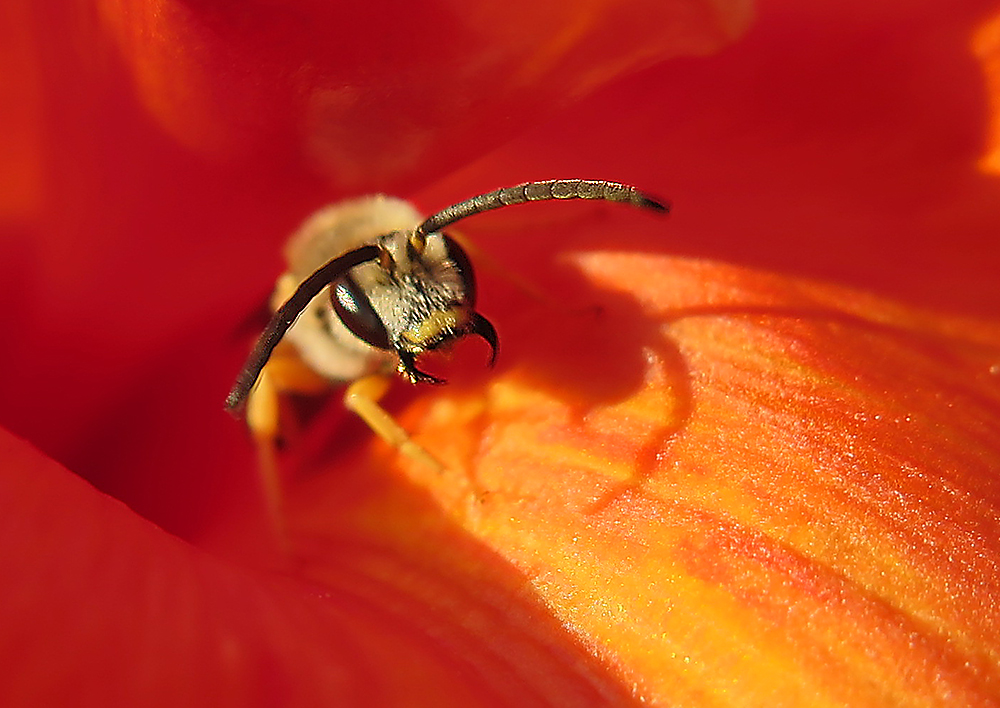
(356, 312)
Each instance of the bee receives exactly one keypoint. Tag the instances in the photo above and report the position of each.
(369, 289)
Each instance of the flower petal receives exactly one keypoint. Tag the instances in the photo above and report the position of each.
(374, 96)
(100, 607)
(735, 487)
(136, 263)
(837, 140)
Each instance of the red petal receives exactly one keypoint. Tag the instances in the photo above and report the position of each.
(100, 607)
(836, 140)
(132, 280)
(376, 97)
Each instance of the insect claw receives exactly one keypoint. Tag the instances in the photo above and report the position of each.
(484, 328)
(408, 368)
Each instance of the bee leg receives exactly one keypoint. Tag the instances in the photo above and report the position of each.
(362, 398)
(283, 373)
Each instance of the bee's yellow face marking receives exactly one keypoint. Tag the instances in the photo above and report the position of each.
(435, 325)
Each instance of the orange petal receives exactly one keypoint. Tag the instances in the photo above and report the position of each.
(986, 47)
(736, 488)
(21, 127)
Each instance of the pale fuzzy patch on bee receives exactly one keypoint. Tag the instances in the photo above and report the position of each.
(321, 338)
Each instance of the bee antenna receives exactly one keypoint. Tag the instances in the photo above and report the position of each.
(537, 192)
(286, 316)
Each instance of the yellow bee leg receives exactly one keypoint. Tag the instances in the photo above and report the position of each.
(284, 373)
(362, 398)
(263, 414)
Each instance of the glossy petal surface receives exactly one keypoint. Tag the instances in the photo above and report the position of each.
(686, 483)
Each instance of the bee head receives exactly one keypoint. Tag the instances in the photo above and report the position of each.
(418, 295)
(414, 291)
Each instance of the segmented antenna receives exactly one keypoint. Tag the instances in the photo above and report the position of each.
(538, 192)
(286, 315)
(311, 286)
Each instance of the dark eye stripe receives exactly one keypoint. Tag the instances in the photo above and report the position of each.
(356, 312)
(464, 267)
